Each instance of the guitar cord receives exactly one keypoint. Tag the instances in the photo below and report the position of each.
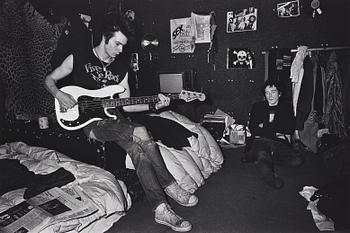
(92, 27)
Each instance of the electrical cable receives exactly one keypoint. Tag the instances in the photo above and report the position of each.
(92, 28)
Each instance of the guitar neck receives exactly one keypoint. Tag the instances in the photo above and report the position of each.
(110, 103)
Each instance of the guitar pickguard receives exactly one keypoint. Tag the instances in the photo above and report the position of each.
(89, 109)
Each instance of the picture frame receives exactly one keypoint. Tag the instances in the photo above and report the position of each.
(242, 20)
(288, 9)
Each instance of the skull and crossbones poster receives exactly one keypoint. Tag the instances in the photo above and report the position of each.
(240, 58)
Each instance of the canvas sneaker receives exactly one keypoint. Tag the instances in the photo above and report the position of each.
(180, 195)
(166, 216)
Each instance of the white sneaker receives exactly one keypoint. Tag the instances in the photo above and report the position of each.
(180, 195)
(166, 216)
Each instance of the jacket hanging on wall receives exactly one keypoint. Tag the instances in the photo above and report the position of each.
(334, 109)
(310, 102)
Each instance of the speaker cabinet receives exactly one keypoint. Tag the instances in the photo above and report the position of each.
(175, 81)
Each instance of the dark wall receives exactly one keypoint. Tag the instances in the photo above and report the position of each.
(235, 90)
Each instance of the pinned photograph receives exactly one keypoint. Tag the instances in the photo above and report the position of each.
(240, 58)
(288, 9)
(242, 20)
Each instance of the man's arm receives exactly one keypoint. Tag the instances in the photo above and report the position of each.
(163, 102)
(66, 100)
(256, 117)
(286, 124)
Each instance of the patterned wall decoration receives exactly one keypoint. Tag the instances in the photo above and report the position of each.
(27, 41)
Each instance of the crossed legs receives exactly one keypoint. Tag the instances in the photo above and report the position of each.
(150, 168)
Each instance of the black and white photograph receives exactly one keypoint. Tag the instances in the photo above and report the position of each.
(165, 116)
(288, 9)
(242, 20)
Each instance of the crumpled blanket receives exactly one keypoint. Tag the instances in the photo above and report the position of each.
(100, 188)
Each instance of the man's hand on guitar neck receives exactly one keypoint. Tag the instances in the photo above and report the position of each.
(66, 100)
(163, 102)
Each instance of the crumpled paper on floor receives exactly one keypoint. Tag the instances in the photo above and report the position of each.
(323, 223)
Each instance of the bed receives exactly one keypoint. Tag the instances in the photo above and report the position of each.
(191, 158)
(100, 187)
(194, 161)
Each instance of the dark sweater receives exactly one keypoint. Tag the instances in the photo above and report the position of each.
(283, 122)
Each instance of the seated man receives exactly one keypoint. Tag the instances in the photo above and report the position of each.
(271, 124)
(98, 67)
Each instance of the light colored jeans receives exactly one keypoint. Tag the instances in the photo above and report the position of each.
(143, 151)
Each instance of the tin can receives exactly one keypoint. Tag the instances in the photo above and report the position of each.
(237, 134)
(43, 122)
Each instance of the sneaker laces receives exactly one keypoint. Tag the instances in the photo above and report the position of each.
(180, 195)
(168, 217)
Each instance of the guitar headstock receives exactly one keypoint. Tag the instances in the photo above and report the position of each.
(191, 95)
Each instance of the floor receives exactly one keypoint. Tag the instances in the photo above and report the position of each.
(235, 200)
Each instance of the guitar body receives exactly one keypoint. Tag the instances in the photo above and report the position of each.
(93, 105)
(84, 112)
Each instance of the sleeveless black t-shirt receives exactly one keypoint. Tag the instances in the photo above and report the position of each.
(91, 73)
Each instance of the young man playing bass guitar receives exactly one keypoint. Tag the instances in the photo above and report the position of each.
(100, 67)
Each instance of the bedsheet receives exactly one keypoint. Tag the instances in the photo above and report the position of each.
(99, 187)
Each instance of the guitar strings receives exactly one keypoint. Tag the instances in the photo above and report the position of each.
(91, 104)
(99, 103)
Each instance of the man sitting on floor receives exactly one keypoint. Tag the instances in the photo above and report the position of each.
(272, 124)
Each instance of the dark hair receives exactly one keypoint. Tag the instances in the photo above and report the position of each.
(110, 24)
(271, 83)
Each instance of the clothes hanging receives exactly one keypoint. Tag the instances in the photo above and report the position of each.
(319, 98)
(334, 111)
(296, 74)
(304, 101)
(308, 108)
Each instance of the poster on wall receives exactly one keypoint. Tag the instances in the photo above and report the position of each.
(201, 27)
(288, 9)
(240, 58)
(182, 36)
(242, 20)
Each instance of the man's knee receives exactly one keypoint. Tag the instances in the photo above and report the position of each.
(141, 133)
(263, 155)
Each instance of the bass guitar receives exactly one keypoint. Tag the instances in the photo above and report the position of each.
(93, 105)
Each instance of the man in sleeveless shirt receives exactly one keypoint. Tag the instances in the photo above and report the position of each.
(99, 67)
